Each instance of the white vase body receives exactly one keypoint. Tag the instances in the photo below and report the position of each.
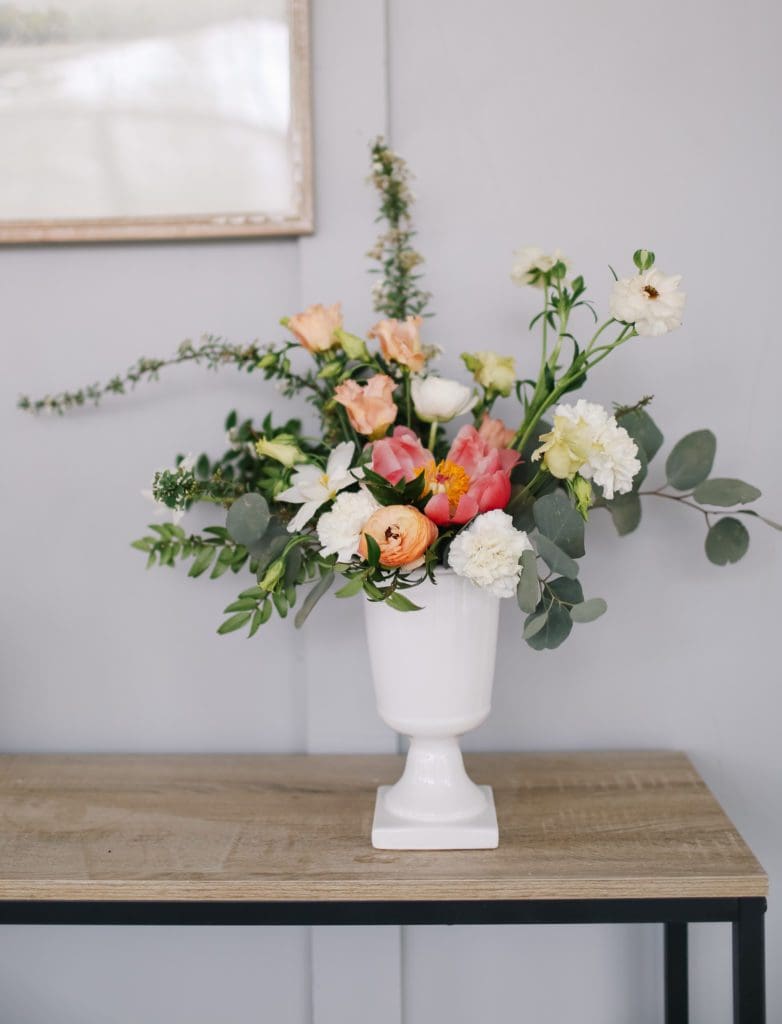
(433, 672)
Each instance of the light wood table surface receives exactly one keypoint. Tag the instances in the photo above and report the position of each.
(585, 826)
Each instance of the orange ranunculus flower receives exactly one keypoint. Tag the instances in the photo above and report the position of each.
(400, 343)
(315, 327)
(495, 433)
(402, 532)
(370, 407)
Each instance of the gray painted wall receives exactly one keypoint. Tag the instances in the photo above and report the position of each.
(596, 128)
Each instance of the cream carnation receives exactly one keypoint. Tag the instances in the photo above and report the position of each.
(652, 301)
(339, 529)
(487, 553)
(531, 263)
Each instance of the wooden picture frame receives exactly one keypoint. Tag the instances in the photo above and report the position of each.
(296, 218)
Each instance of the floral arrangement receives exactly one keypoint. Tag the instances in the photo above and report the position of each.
(388, 492)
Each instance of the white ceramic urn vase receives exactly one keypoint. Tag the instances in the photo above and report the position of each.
(433, 672)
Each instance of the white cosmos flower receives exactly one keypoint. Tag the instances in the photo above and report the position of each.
(652, 301)
(487, 553)
(530, 264)
(437, 399)
(586, 440)
(339, 529)
(311, 487)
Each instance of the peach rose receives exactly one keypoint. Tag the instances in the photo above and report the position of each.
(402, 532)
(494, 432)
(315, 327)
(400, 343)
(370, 407)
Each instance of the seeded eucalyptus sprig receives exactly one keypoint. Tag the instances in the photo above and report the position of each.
(397, 293)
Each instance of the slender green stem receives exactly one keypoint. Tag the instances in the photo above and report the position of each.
(433, 436)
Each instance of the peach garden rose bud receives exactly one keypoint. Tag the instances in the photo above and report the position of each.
(494, 432)
(400, 342)
(316, 327)
(402, 533)
(371, 409)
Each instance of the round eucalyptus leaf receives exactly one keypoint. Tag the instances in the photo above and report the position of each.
(625, 512)
(589, 610)
(727, 541)
(691, 460)
(556, 518)
(534, 624)
(643, 430)
(248, 518)
(724, 491)
(528, 590)
(555, 630)
(567, 590)
(555, 558)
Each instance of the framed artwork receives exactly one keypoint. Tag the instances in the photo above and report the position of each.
(154, 119)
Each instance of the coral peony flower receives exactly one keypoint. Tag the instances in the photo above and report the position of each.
(494, 432)
(400, 343)
(651, 300)
(403, 534)
(474, 478)
(399, 457)
(315, 327)
(370, 407)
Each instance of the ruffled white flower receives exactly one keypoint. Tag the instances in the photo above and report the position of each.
(652, 301)
(339, 529)
(311, 487)
(439, 400)
(587, 441)
(487, 553)
(531, 263)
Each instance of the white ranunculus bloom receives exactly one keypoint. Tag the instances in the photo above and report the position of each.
(487, 553)
(439, 400)
(586, 440)
(339, 529)
(652, 301)
(530, 263)
(311, 487)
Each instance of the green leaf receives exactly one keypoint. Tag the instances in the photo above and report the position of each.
(266, 611)
(643, 430)
(401, 603)
(242, 604)
(691, 460)
(534, 624)
(202, 561)
(569, 591)
(352, 587)
(248, 519)
(280, 603)
(235, 622)
(254, 592)
(373, 550)
(256, 623)
(554, 631)
(223, 563)
(725, 491)
(556, 518)
(528, 590)
(143, 544)
(625, 512)
(589, 610)
(313, 596)
(555, 558)
(727, 541)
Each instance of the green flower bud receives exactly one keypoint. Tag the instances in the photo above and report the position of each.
(643, 259)
(581, 490)
(273, 575)
(353, 346)
(282, 448)
(333, 368)
(266, 361)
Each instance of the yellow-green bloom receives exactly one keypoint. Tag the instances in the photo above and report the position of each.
(273, 575)
(282, 448)
(492, 371)
(353, 346)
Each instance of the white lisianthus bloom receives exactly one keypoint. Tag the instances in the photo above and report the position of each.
(530, 264)
(487, 553)
(339, 529)
(438, 400)
(311, 487)
(586, 440)
(652, 301)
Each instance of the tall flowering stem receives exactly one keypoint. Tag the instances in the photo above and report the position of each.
(397, 293)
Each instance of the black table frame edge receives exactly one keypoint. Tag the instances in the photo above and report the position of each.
(746, 914)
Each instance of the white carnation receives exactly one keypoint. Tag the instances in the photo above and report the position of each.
(652, 301)
(530, 263)
(487, 553)
(339, 529)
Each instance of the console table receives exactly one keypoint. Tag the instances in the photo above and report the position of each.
(268, 840)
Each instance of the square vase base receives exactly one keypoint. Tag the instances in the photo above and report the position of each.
(392, 833)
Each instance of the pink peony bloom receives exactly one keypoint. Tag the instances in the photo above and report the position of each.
(494, 432)
(399, 457)
(475, 478)
(371, 409)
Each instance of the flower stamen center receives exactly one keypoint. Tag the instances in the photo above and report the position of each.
(448, 478)
(651, 291)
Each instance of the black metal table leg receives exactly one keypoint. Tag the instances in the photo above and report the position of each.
(677, 1007)
(749, 986)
